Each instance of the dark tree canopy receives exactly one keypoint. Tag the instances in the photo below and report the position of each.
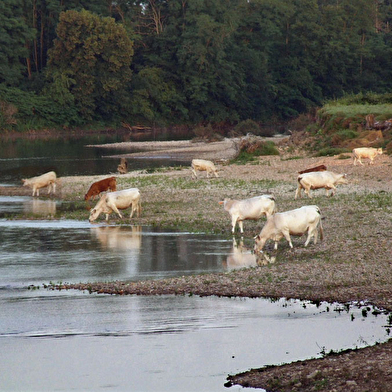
(192, 61)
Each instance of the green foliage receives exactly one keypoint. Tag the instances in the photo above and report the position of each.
(247, 126)
(352, 110)
(347, 134)
(200, 62)
(330, 151)
(91, 59)
(251, 149)
(155, 98)
(30, 111)
(13, 36)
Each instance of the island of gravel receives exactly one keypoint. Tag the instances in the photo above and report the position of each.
(352, 263)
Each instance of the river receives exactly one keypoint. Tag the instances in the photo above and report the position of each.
(71, 340)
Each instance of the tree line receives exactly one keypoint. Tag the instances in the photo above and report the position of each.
(71, 63)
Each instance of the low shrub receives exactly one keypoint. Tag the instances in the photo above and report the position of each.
(247, 126)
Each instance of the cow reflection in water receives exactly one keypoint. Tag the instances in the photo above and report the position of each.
(115, 237)
(40, 207)
(243, 257)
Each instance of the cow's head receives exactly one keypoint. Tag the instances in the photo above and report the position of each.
(259, 243)
(93, 215)
(342, 179)
(379, 151)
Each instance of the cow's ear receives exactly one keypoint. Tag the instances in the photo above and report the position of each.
(92, 210)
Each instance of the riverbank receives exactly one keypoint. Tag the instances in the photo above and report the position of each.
(352, 263)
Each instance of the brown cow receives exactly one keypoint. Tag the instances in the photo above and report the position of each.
(314, 169)
(101, 186)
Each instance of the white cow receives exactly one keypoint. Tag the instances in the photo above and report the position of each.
(317, 180)
(366, 152)
(203, 165)
(248, 209)
(115, 201)
(294, 222)
(47, 179)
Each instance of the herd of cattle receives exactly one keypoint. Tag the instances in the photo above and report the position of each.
(303, 220)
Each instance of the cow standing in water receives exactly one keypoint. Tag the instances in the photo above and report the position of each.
(45, 180)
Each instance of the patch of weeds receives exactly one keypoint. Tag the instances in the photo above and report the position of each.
(344, 156)
(292, 158)
(321, 384)
(330, 151)
(243, 157)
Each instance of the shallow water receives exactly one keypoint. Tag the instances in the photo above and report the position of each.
(72, 340)
(36, 252)
(56, 341)
(67, 157)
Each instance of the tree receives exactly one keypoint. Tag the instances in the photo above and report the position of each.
(13, 37)
(93, 54)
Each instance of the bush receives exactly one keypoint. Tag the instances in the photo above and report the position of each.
(247, 126)
(251, 147)
(206, 133)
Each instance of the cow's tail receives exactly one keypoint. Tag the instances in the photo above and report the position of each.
(275, 209)
(320, 225)
(299, 178)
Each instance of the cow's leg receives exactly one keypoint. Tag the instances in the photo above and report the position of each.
(307, 191)
(133, 209)
(194, 173)
(298, 191)
(310, 235)
(359, 160)
(54, 187)
(241, 225)
(315, 235)
(115, 209)
(286, 234)
(216, 174)
(233, 223)
(333, 189)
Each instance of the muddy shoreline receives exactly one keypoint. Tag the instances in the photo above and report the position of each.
(353, 263)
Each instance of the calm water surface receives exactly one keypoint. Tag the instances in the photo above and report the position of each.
(28, 158)
(77, 341)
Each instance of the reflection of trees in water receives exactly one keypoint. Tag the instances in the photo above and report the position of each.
(182, 252)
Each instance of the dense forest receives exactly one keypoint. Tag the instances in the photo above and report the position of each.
(73, 63)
